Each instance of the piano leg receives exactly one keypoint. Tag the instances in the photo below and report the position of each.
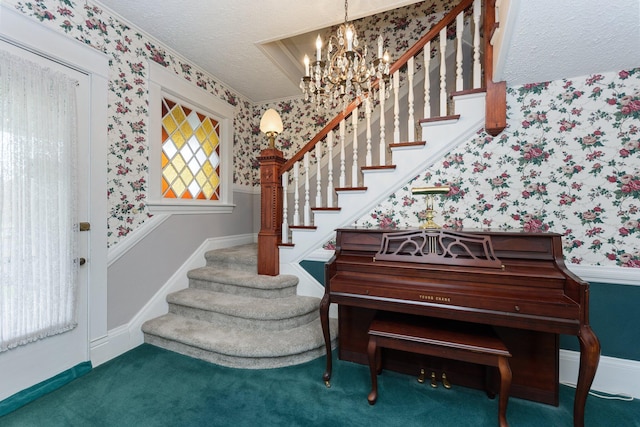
(373, 353)
(589, 358)
(324, 320)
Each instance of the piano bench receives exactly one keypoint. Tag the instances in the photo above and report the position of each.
(454, 340)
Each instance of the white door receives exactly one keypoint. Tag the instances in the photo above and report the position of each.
(32, 363)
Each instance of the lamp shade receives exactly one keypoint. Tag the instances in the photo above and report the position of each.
(271, 122)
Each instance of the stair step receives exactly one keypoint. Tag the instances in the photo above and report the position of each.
(237, 347)
(354, 189)
(440, 120)
(378, 168)
(244, 311)
(398, 145)
(240, 282)
(324, 209)
(467, 92)
(243, 257)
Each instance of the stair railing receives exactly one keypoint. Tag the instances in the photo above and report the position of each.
(277, 172)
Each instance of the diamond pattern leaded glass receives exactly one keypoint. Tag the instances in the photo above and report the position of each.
(190, 153)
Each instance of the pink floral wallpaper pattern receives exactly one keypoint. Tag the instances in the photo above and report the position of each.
(568, 162)
(129, 51)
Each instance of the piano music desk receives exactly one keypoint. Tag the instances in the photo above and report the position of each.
(451, 340)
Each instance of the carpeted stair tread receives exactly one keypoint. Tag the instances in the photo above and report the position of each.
(245, 307)
(244, 281)
(237, 342)
(232, 316)
(238, 257)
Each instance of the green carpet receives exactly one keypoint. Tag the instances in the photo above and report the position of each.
(149, 386)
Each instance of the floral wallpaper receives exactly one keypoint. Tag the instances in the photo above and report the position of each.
(568, 162)
(129, 51)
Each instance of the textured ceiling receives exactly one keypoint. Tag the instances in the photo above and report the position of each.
(551, 39)
(234, 40)
(224, 37)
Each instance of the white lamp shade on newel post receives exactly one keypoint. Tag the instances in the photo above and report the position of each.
(271, 125)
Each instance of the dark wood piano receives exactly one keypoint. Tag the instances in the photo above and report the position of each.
(515, 281)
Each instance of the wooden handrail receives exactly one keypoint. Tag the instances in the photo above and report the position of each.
(320, 135)
(430, 35)
(411, 52)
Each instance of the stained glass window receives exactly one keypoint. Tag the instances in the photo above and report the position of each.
(190, 153)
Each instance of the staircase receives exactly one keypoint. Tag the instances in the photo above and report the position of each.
(356, 167)
(231, 316)
(256, 307)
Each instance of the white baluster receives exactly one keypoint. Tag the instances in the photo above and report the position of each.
(443, 72)
(354, 164)
(330, 189)
(307, 205)
(383, 144)
(318, 177)
(427, 81)
(296, 193)
(343, 174)
(477, 68)
(411, 130)
(367, 114)
(285, 223)
(459, 28)
(396, 107)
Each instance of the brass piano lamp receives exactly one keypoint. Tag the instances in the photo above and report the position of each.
(430, 192)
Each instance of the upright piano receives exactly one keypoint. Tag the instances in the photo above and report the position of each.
(515, 281)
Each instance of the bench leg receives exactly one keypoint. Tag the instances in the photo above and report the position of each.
(489, 383)
(505, 385)
(373, 353)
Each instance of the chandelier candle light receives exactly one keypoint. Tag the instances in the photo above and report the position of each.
(344, 73)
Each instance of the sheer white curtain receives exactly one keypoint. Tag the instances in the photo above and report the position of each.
(38, 271)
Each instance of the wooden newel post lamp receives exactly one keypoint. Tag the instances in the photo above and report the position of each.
(271, 160)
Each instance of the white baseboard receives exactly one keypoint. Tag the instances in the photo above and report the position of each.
(123, 338)
(614, 376)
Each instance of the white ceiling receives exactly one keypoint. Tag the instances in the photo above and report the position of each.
(223, 37)
(552, 39)
(237, 41)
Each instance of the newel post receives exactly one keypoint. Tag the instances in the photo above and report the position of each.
(496, 95)
(271, 160)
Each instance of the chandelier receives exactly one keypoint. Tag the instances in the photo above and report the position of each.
(343, 73)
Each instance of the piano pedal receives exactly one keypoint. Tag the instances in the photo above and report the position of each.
(434, 382)
(445, 381)
(421, 376)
